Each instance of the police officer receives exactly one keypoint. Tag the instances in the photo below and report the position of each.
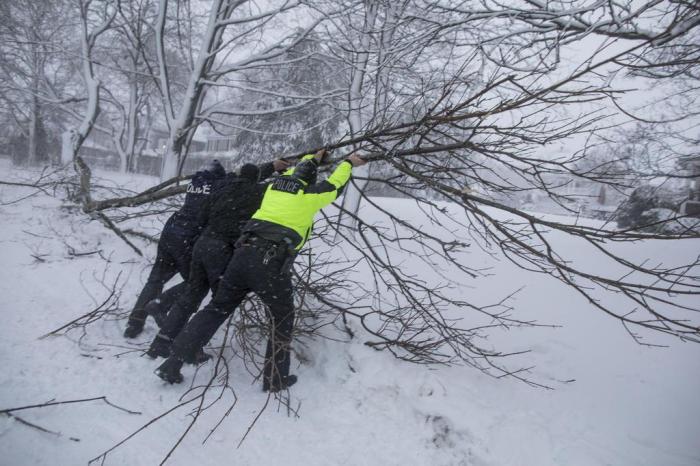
(231, 204)
(262, 264)
(175, 245)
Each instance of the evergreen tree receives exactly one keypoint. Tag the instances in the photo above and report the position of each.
(291, 107)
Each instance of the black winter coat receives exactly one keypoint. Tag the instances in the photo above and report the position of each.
(233, 201)
(186, 222)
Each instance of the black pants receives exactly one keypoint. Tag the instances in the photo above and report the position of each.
(167, 298)
(210, 257)
(173, 256)
(246, 272)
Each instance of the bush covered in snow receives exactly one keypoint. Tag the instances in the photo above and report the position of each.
(651, 208)
(664, 221)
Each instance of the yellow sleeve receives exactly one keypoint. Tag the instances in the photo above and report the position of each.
(341, 174)
(325, 192)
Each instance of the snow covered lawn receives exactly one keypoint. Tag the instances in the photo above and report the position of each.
(614, 402)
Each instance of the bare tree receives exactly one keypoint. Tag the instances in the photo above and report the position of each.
(229, 26)
(132, 92)
(95, 19)
(466, 104)
(29, 63)
(473, 104)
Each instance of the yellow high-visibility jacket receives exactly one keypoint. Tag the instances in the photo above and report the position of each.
(288, 208)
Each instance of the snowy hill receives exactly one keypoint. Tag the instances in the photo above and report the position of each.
(614, 402)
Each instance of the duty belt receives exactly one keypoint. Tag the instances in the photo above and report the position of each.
(270, 249)
(257, 242)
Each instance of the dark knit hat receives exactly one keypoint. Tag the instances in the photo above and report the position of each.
(306, 171)
(215, 167)
(250, 172)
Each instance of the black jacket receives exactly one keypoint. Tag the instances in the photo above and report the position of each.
(233, 201)
(186, 222)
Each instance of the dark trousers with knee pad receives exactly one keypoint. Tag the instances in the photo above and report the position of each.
(271, 281)
(210, 257)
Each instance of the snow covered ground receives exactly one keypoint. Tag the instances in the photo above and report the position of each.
(614, 403)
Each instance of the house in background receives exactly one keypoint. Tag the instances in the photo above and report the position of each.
(691, 164)
(582, 196)
(99, 152)
(221, 148)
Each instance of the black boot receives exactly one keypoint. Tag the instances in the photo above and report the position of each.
(169, 371)
(282, 383)
(155, 310)
(133, 328)
(199, 357)
(160, 347)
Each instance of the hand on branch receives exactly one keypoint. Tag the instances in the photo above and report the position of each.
(321, 155)
(356, 160)
(280, 165)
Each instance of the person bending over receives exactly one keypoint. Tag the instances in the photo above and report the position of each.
(262, 264)
(231, 204)
(175, 247)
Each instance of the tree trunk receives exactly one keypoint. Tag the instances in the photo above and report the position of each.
(33, 133)
(172, 159)
(132, 132)
(34, 112)
(353, 194)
